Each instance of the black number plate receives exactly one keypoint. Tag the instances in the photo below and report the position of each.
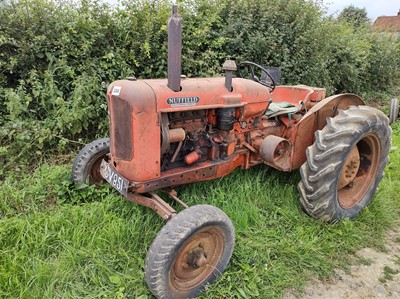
(120, 183)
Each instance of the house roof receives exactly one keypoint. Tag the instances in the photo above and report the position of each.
(391, 24)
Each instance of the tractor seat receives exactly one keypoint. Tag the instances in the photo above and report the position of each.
(283, 108)
(288, 100)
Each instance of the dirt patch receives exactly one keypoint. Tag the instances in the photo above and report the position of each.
(373, 274)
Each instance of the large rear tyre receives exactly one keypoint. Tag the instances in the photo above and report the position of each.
(189, 252)
(394, 110)
(86, 167)
(345, 164)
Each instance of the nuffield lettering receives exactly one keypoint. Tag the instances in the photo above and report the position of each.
(183, 101)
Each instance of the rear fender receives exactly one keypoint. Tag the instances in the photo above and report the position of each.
(315, 119)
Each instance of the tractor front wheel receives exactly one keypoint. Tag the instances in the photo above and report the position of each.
(345, 164)
(86, 167)
(189, 252)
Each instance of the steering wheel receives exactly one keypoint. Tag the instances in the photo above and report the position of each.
(246, 69)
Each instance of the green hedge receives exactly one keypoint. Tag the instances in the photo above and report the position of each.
(57, 58)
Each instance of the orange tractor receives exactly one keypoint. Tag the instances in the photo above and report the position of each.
(171, 132)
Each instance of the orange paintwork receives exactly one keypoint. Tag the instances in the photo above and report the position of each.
(148, 98)
(192, 157)
(148, 101)
(295, 94)
(145, 162)
(212, 94)
(302, 135)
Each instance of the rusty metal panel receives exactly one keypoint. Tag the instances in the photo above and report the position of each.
(203, 171)
(209, 93)
(315, 119)
(145, 130)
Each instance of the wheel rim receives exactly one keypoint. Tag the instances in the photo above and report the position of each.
(94, 173)
(359, 171)
(197, 259)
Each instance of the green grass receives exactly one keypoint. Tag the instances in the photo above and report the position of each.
(388, 274)
(397, 260)
(365, 261)
(60, 242)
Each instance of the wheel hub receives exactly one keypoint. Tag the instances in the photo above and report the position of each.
(94, 174)
(197, 259)
(359, 171)
(350, 169)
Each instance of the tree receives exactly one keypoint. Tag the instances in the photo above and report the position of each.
(354, 15)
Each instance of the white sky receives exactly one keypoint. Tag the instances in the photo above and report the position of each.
(375, 8)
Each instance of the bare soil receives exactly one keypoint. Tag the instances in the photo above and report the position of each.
(372, 274)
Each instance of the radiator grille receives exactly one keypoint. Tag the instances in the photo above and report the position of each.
(122, 128)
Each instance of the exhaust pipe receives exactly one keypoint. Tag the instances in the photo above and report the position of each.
(174, 49)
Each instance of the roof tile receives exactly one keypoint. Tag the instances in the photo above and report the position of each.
(384, 23)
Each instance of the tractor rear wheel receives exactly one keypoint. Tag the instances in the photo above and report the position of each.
(86, 167)
(345, 164)
(189, 252)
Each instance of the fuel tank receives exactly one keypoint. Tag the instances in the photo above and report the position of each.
(136, 109)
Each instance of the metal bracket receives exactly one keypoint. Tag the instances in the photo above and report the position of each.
(172, 194)
(153, 202)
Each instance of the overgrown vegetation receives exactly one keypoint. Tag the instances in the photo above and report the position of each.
(354, 15)
(57, 58)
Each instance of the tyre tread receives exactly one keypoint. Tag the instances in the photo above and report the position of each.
(82, 163)
(320, 171)
(172, 235)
